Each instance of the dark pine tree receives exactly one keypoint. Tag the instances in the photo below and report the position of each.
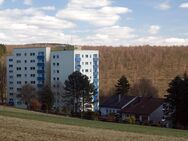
(78, 91)
(176, 106)
(122, 86)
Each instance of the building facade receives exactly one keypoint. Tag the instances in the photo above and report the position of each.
(63, 63)
(41, 66)
(26, 66)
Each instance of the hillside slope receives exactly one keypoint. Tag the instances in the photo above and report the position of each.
(160, 64)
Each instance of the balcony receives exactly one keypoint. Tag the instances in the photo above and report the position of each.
(77, 59)
(40, 64)
(95, 59)
(40, 78)
(41, 57)
(40, 85)
(40, 71)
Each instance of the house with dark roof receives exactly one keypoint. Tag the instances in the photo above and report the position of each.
(144, 109)
(115, 103)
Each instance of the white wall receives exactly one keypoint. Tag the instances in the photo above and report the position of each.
(25, 69)
(157, 115)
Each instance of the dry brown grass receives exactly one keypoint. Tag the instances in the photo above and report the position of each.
(13, 129)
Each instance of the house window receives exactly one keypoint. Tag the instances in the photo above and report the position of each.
(53, 56)
(10, 66)
(57, 78)
(86, 63)
(107, 111)
(57, 71)
(86, 70)
(57, 64)
(25, 61)
(86, 56)
(19, 82)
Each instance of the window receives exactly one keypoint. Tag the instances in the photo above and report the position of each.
(18, 61)
(25, 61)
(25, 68)
(25, 82)
(10, 76)
(10, 82)
(82, 56)
(11, 88)
(19, 75)
(10, 71)
(86, 56)
(57, 78)
(18, 54)
(32, 54)
(86, 70)
(18, 68)
(32, 75)
(57, 64)
(86, 63)
(32, 61)
(25, 75)
(54, 78)
(25, 54)
(107, 111)
(32, 82)
(95, 55)
(19, 82)
(53, 56)
(77, 55)
(82, 63)
(53, 64)
(10, 66)
(32, 68)
(57, 71)
(57, 56)
(10, 93)
(10, 60)
(19, 89)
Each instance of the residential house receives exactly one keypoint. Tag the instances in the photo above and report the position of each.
(115, 103)
(144, 109)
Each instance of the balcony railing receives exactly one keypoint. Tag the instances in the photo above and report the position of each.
(40, 78)
(77, 59)
(40, 71)
(40, 57)
(40, 64)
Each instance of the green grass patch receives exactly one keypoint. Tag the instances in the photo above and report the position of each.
(24, 114)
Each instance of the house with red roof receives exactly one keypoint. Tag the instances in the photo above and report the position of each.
(144, 109)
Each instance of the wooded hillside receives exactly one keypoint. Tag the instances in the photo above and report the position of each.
(160, 64)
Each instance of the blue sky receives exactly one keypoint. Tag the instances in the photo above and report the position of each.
(94, 22)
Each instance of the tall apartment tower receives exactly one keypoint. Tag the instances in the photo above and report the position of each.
(26, 66)
(63, 63)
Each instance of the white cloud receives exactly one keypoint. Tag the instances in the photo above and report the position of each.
(28, 2)
(96, 12)
(1, 1)
(32, 25)
(184, 5)
(154, 29)
(114, 35)
(164, 6)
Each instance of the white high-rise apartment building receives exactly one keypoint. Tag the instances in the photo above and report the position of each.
(26, 66)
(41, 66)
(63, 63)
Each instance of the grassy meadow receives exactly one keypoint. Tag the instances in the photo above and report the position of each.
(16, 124)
